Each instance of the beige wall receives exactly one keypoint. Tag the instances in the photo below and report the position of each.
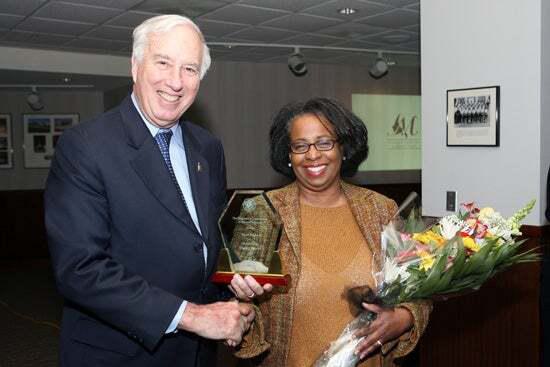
(507, 41)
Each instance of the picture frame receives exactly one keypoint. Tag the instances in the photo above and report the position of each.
(473, 117)
(40, 135)
(6, 145)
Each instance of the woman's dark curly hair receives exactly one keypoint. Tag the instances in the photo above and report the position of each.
(350, 131)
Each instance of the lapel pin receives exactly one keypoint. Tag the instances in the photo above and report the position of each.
(199, 168)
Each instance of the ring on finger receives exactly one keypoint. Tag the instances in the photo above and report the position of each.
(251, 295)
(379, 343)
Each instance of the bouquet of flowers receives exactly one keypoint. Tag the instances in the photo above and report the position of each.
(418, 261)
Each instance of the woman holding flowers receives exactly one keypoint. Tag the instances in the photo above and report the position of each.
(331, 235)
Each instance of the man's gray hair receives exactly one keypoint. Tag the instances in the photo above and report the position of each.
(163, 24)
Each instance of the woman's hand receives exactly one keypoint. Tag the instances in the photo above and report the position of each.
(245, 289)
(390, 324)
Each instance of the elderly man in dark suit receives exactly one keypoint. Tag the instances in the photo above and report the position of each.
(132, 202)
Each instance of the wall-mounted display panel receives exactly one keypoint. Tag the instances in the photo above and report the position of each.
(395, 131)
(41, 133)
(6, 149)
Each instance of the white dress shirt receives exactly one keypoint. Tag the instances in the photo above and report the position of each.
(178, 159)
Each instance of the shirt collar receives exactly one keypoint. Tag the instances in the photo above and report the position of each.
(176, 129)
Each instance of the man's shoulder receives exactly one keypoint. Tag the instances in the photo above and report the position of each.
(96, 131)
(103, 121)
(198, 132)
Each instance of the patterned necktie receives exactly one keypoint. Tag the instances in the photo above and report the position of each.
(163, 140)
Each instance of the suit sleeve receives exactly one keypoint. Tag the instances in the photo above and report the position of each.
(79, 231)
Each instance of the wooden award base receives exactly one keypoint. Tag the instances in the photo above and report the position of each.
(224, 277)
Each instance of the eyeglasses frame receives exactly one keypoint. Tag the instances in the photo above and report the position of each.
(333, 141)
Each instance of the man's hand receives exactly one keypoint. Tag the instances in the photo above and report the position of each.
(219, 321)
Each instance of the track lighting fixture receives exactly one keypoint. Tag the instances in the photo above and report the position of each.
(34, 100)
(296, 63)
(298, 66)
(379, 68)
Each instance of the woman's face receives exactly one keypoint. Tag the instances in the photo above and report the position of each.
(315, 170)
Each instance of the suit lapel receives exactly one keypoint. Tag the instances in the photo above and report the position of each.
(198, 177)
(149, 164)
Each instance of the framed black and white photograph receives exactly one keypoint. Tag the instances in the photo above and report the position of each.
(473, 117)
(6, 149)
(41, 133)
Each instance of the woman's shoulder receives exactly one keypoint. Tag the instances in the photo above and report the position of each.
(368, 198)
(352, 191)
(283, 195)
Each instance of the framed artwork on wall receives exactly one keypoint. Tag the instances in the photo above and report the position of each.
(41, 133)
(6, 149)
(473, 117)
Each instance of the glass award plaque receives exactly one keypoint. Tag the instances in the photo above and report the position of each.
(250, 228)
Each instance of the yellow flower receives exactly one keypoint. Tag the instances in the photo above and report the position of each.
(426, 260)
(470, 244)
(471, 222)
(428, 236)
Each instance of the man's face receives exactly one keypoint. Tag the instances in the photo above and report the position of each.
(167, 79)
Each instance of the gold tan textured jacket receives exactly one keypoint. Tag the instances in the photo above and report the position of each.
(268, 339)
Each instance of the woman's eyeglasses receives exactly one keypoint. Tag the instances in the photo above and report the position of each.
(321, 145)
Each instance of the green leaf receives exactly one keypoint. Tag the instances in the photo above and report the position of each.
(460, 260)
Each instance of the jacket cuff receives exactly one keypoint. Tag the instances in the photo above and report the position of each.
(420, 311)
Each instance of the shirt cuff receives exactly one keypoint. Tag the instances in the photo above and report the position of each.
(172, 328)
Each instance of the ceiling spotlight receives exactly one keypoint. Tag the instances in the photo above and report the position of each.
(347, 11)
(34, 100)
(379, 68)
(296, 63)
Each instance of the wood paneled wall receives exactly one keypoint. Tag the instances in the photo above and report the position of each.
(499, 325)
(237, 101)
(22, 230)
(23, 234)
(86, 104)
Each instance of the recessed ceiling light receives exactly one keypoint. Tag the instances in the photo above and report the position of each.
(347, 11)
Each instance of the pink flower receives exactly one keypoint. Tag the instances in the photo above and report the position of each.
(481, 230)
(405, 236)
(405, 255)
(471, 209)
(450, 262)
(422, 247)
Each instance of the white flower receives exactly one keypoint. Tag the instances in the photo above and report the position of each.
(449, 225)
(486, 213)
(497, 225)
(392, 270)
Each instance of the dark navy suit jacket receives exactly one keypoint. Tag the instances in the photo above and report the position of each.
(125, 252)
